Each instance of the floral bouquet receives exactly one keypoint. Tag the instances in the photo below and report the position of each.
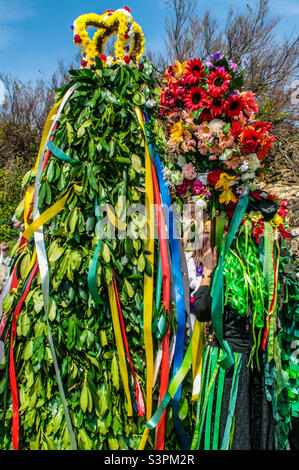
(216, 146)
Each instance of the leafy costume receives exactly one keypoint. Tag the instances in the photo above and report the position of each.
(216, 148)
(86, 306)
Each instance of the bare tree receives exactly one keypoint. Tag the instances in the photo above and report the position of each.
(182, 28)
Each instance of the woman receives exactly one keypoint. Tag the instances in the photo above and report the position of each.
(233, 411)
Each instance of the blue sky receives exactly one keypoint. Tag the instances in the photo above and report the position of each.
(34, 34)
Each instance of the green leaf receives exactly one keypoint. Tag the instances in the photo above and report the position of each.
(70, 133)
(55, 252)
(84, 398)
(141, 263)
(51, 172)
(226, 128)
(139, 98)
(92, 178)
(81, 130)
(7, 303)
(137, 163)
(129, 288)
(28, 350)
(106, 252)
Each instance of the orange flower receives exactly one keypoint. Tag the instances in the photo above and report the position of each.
(265, 147)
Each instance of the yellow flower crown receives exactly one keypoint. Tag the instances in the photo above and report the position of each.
(129, 46)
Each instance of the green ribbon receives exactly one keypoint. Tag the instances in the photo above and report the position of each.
(92, 273)
(58, 153)
(218, 287)
(232, 403)
(173, 386)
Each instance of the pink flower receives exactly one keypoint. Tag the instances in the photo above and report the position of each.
(189, 146)
(189, 171)
(204, 132)
(202, 147)
(198, 188)
(225, 140)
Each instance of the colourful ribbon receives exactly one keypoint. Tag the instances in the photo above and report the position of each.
(217, 292)
(138, 391)
(148, 286)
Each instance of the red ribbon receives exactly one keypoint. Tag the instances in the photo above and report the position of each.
(139, 397)
(160, 436)
(12, 373)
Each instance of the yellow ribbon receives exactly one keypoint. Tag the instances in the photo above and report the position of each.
(30, 190)
(27, 201)
(119, 346)
(148, 284)
(47, 128)
(31, 264)
(45, 216)
(197, 356)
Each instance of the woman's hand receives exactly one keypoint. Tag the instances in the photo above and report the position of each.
(209, 261)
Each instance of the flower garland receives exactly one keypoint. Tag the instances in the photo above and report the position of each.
(212, 132)
(129, 46)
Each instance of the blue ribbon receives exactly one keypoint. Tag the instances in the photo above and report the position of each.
(179, 293)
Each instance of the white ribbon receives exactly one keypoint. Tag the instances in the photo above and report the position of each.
(44, 271)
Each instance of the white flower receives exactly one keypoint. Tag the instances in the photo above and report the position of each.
(110, 61)
(253, 162)
(203, 178)
(176, 177)
(151, 103)
(216, 125)
(181, 161)
(244, 166)
(200, 203)
(166, 173)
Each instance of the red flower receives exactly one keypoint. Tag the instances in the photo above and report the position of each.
(140, 67)
(206, 115)
(127, 59)
(262, 127)
(103, 57)
(218, 82)
(77, 39)
(283, 210)
(234, 105)
(216, 105)
(265, 147)
(258, 231)
(84, 63)
(195, 71)
(283, 232)
(195, 98)
(236, 129)
(250, 140)
(128, 9)
(213, 177)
